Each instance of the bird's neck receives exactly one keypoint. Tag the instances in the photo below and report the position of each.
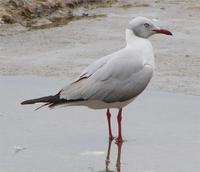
(131, 37)
(135, 41)
(141, 45)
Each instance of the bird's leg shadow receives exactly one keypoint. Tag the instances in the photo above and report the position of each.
(118, 160)
(107, 161)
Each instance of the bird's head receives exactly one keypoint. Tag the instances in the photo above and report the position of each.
(144, 27)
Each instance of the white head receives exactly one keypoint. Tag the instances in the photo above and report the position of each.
(144, 27)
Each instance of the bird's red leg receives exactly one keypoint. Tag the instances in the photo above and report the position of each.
(109, 125)
(119, 139)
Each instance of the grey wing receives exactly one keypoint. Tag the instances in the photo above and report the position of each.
(116, 89)
(116, 79)
(76, 89)
(130, 87)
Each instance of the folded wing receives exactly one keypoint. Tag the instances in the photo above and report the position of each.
(114, 78)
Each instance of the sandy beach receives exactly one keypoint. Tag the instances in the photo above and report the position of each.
(161, 126)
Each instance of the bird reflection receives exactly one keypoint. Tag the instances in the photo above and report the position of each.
(118, 160)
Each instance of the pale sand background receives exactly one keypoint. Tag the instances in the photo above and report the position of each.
(64, 51)
(161, 126)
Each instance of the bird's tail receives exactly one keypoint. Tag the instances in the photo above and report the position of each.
(48, 100)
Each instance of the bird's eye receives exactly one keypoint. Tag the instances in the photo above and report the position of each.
(146, 25)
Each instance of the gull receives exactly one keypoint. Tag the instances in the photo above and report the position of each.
(115, 80)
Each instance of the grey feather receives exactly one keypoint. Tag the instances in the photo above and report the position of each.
(117, 77)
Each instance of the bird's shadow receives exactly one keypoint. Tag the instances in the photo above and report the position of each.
(118, 158)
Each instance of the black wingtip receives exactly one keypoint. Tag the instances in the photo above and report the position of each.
(23, 103)
(46, 99)
(27, 102)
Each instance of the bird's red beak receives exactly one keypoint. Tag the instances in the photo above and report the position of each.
(163, 31)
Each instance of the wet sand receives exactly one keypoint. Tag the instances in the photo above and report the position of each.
(64, 51)
(162, 132)
(161, 126)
